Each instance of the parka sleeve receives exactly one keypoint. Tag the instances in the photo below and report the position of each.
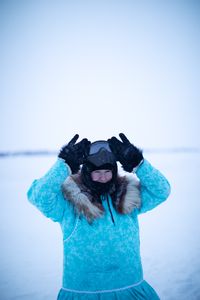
(154, 187)
(45, 193)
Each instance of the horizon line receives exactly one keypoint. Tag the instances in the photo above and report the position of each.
(53, 152)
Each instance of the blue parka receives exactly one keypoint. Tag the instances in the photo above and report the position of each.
(102, 253)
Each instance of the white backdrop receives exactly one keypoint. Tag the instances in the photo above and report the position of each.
(98, 68)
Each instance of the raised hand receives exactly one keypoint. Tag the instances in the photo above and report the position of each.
(126, 153)
(74, 153)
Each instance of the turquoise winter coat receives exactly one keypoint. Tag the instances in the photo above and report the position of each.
(101, 249)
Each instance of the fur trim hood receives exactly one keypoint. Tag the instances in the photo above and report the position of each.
(126, 195)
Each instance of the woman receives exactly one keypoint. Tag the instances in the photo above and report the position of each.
(98, 213)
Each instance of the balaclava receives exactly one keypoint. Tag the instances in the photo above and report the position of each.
(100, 157)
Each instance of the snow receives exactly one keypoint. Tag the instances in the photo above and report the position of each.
(31, 245)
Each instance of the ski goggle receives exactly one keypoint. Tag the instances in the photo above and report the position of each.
(101, 154)
(96, 146)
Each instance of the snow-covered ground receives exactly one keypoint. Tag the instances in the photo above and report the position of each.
(31, 245)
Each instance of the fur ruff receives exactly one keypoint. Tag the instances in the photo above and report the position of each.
(127, 197)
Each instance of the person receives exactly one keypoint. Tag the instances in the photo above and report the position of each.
(98, 212)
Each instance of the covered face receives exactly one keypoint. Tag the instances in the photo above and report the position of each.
(99, 172)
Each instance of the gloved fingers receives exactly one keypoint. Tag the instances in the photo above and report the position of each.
(86, 147)
(83, 145)
(114, 141)
(124, 138)
(109, 141)
(82, 150)
(115, 144)
(85, 142)
(73, 140)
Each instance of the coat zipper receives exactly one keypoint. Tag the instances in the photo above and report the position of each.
(110, 209)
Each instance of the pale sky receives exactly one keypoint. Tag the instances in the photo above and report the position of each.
(98, 68)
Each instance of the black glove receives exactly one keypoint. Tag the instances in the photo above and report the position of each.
(75, 154)
(126, 153)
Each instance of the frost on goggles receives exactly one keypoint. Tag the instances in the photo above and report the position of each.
(96, 146)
